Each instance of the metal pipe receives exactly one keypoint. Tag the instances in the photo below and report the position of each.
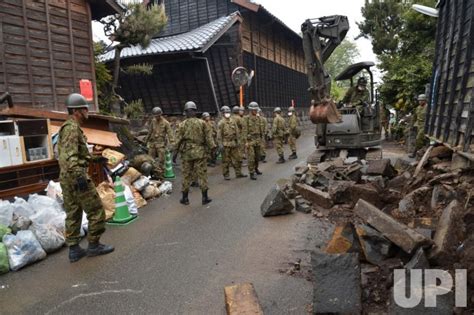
(211, 81)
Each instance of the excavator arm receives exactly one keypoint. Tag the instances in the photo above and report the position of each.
(320, 37)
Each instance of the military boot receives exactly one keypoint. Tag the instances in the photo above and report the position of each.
(96, 249)
(76, 252)
(184, 199)
(227, 177)
(293, 156)
(253, 176)
(257, 171)
(241, 175)
(205, 198)
(281, 160)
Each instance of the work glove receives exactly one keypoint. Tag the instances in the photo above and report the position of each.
(81, 184)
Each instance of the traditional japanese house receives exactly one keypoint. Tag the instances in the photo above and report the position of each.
(193, 58)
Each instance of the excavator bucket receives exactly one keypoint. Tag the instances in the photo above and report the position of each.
(325, 112)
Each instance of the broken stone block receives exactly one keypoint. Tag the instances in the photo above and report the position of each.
(400, 234)
(343, 240)
(242, 299)
(448, 234)
(322, 179)
(367, 192)
(352, 172)
(377, 181)
(351, 160)
(402, 164)
(336, 283)
(418, 261)
(411, 202)
(381, 167)
(399, 182)
(460, 162)
(315, 196)
(441, 195)
(301, 169)
(302, 205)
(441, 152)
(425, 232)
(276, 203)
(375, 246)
(339, 190)
(424, 223)
(443, 167)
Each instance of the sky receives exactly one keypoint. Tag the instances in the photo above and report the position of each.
(293, 13)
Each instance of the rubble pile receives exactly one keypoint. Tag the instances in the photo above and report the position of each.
(411, 215)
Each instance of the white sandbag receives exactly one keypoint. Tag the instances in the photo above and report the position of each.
(165, 188)
(55, 191)
(6, 213)
(141, 183)
(46, 208)
(132, 206)
(22, 208)
(48, 236)
(23, 249)
(150, 191)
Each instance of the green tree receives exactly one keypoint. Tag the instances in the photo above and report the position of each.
(103, 78)
(403, 41)
(343, 56)
(136, 26)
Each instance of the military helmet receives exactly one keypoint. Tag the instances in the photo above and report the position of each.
(259, 110)
(291, 109)
(236, 109)
(156, 111)
(422, 97)
(277, 110)
(253, 106)
(362, 81)
(190, 105)
(205, 115)
(225, 109)
(146, 168)
(76, 100)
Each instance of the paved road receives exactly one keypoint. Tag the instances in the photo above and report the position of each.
(177, 259)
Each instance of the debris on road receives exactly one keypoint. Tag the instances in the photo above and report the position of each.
(242, 299)
(276, 203)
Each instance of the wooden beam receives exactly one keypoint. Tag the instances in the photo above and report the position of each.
(242, 299)
(28, 53)
(71, 43)
(2, 56)
(51, 55)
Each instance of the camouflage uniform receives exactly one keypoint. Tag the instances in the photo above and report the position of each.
(159, 136)
(420, 116)
(138, 160)
(229, 136)
(356, 97)
(74, 158)
(212, 152)
(194, 140)
(278, 133)
(253, 134)
(292, 127)
(263, 149)
(239, 120)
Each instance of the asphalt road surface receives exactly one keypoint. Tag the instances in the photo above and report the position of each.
(177, 259)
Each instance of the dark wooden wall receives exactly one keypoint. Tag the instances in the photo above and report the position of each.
(186, 15)
(45, 50)
(275, 85)
(451, 115)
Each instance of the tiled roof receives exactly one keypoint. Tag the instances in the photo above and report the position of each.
(199, 39)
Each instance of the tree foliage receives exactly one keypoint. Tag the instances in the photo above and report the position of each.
(403, 41)
(136, 26)
(103, 78)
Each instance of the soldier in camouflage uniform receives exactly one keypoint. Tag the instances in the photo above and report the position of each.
(194, 139)
(146, 165)
(157, 140)
(237, 116)
(213, 153)
(253, 135)
(79, 192)
(420, 116)
(293, 132)
(279, 133)
(229, 138)
(265, 132)
(357, 95)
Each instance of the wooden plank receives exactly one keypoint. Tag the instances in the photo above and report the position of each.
(2, 55)
(242, 299)
(27, 48)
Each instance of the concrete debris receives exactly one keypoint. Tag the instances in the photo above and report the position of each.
(242, 299)
(442, 194)
(375, 247)
(276, 203)
(302, 205)
(367, 192)
(409, 202)
(343, 240)
(418, 261)
(339, 190)
(400, 234)
(315, 196)
(423, 161)
(337, 283)
(399, 183)
(377, 181)
(460, 162)
(381, 167)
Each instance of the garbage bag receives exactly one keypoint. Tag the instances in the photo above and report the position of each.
(132, 206)
(4, 265)
(150, 191)
(59, 223)
(46, 209)
(22, 208)
(107, 196)
(23, 249)
(139, 200)
(165, 188)
(20, 223)
(54, 190)
(6, 213)
(48, 236)
(4, 230)
(141, 183)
